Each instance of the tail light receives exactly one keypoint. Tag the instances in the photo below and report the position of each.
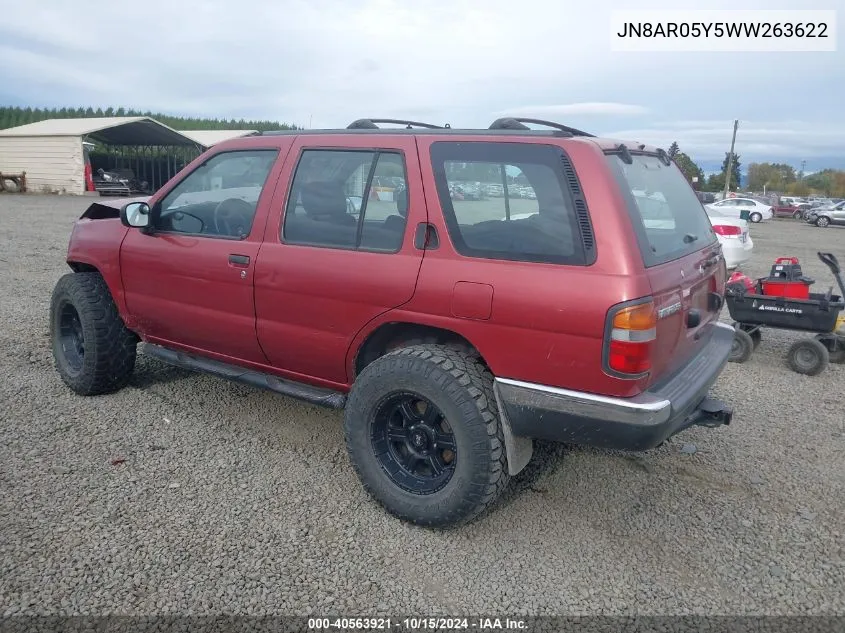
(726, 230)
(632, 330)
(89, 178)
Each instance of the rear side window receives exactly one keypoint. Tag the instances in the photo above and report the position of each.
(509, 201)
(350, 199)
(668, 217)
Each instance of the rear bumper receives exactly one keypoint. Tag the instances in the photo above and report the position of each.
(737, 253)
(638, 423)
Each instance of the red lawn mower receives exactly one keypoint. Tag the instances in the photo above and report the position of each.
(783, 300)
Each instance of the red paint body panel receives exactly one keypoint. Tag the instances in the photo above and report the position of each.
(303, 312)
(183, 289)
(312, 301)
(97, 243)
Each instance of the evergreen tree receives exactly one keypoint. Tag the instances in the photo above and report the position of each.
(674, 149)
(13, 116)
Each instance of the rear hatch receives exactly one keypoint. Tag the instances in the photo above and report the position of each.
(683, 258)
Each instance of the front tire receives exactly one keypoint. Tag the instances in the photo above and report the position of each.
(822, 221)
(756, 217)
(93, 350)
(423, 434)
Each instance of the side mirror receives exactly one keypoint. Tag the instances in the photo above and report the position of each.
(135, 215)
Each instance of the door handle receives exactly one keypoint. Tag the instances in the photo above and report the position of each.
(239, 260)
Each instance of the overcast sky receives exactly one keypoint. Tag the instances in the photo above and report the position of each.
(324, 63)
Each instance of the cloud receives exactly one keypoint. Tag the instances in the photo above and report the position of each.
(755, 140)
(596, 108)
(457, 61)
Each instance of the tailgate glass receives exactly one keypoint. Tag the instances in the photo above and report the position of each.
(668, 217)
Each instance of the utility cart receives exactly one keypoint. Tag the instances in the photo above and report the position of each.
(783, 301)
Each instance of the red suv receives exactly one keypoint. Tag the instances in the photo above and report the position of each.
(573, 297)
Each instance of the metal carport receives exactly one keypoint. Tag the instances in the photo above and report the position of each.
(52, 155)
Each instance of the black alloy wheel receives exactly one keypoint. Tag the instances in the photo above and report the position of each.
(413, 443)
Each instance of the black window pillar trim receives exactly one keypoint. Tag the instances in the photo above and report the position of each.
(365, 199)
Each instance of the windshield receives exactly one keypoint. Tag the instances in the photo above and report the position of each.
(668, 216)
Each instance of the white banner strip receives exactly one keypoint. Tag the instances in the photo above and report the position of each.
(723, 31)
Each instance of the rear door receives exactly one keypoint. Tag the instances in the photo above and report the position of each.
(683, 258)
(339, 249)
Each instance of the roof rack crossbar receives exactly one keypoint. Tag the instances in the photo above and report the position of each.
(370, 124)
(518, 123)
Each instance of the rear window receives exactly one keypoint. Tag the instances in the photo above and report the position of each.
(668, 217)
(507, 201)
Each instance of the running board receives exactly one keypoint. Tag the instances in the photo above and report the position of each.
(314, 395)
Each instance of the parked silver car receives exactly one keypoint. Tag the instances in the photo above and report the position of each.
(825, 216)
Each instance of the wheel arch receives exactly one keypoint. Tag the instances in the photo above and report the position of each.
(384, 337)
(112, 280)
(390, 335)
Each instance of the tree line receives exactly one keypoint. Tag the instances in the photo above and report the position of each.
(769, 177)
(694, 173)
(783, 178)
(14, 116)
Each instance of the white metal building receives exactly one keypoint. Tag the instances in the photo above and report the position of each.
(51, 154)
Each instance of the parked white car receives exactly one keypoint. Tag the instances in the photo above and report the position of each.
(733, 207)
(733, 235)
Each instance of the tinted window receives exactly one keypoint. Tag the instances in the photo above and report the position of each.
(219, 197)
(507, 201)
(348, 199)
(668, 217)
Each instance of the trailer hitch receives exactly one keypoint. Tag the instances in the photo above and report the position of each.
(713, 413)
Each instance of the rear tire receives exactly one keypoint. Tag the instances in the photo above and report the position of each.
(93, 350)
(798, 215)
(397, 448)
(808, 356)
(742, 347)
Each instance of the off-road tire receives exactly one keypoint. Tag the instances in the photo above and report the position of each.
(742, 347)
(808, 356)
(462, 389)
(109, 347)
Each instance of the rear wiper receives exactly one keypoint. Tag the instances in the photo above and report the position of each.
(689, 238)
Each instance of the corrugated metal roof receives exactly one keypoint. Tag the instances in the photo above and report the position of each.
(207, 138)
(131, 130)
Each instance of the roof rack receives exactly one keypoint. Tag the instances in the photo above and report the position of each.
(518, 123)
(370, 124)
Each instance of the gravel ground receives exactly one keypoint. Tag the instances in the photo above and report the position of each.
(235, 500)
